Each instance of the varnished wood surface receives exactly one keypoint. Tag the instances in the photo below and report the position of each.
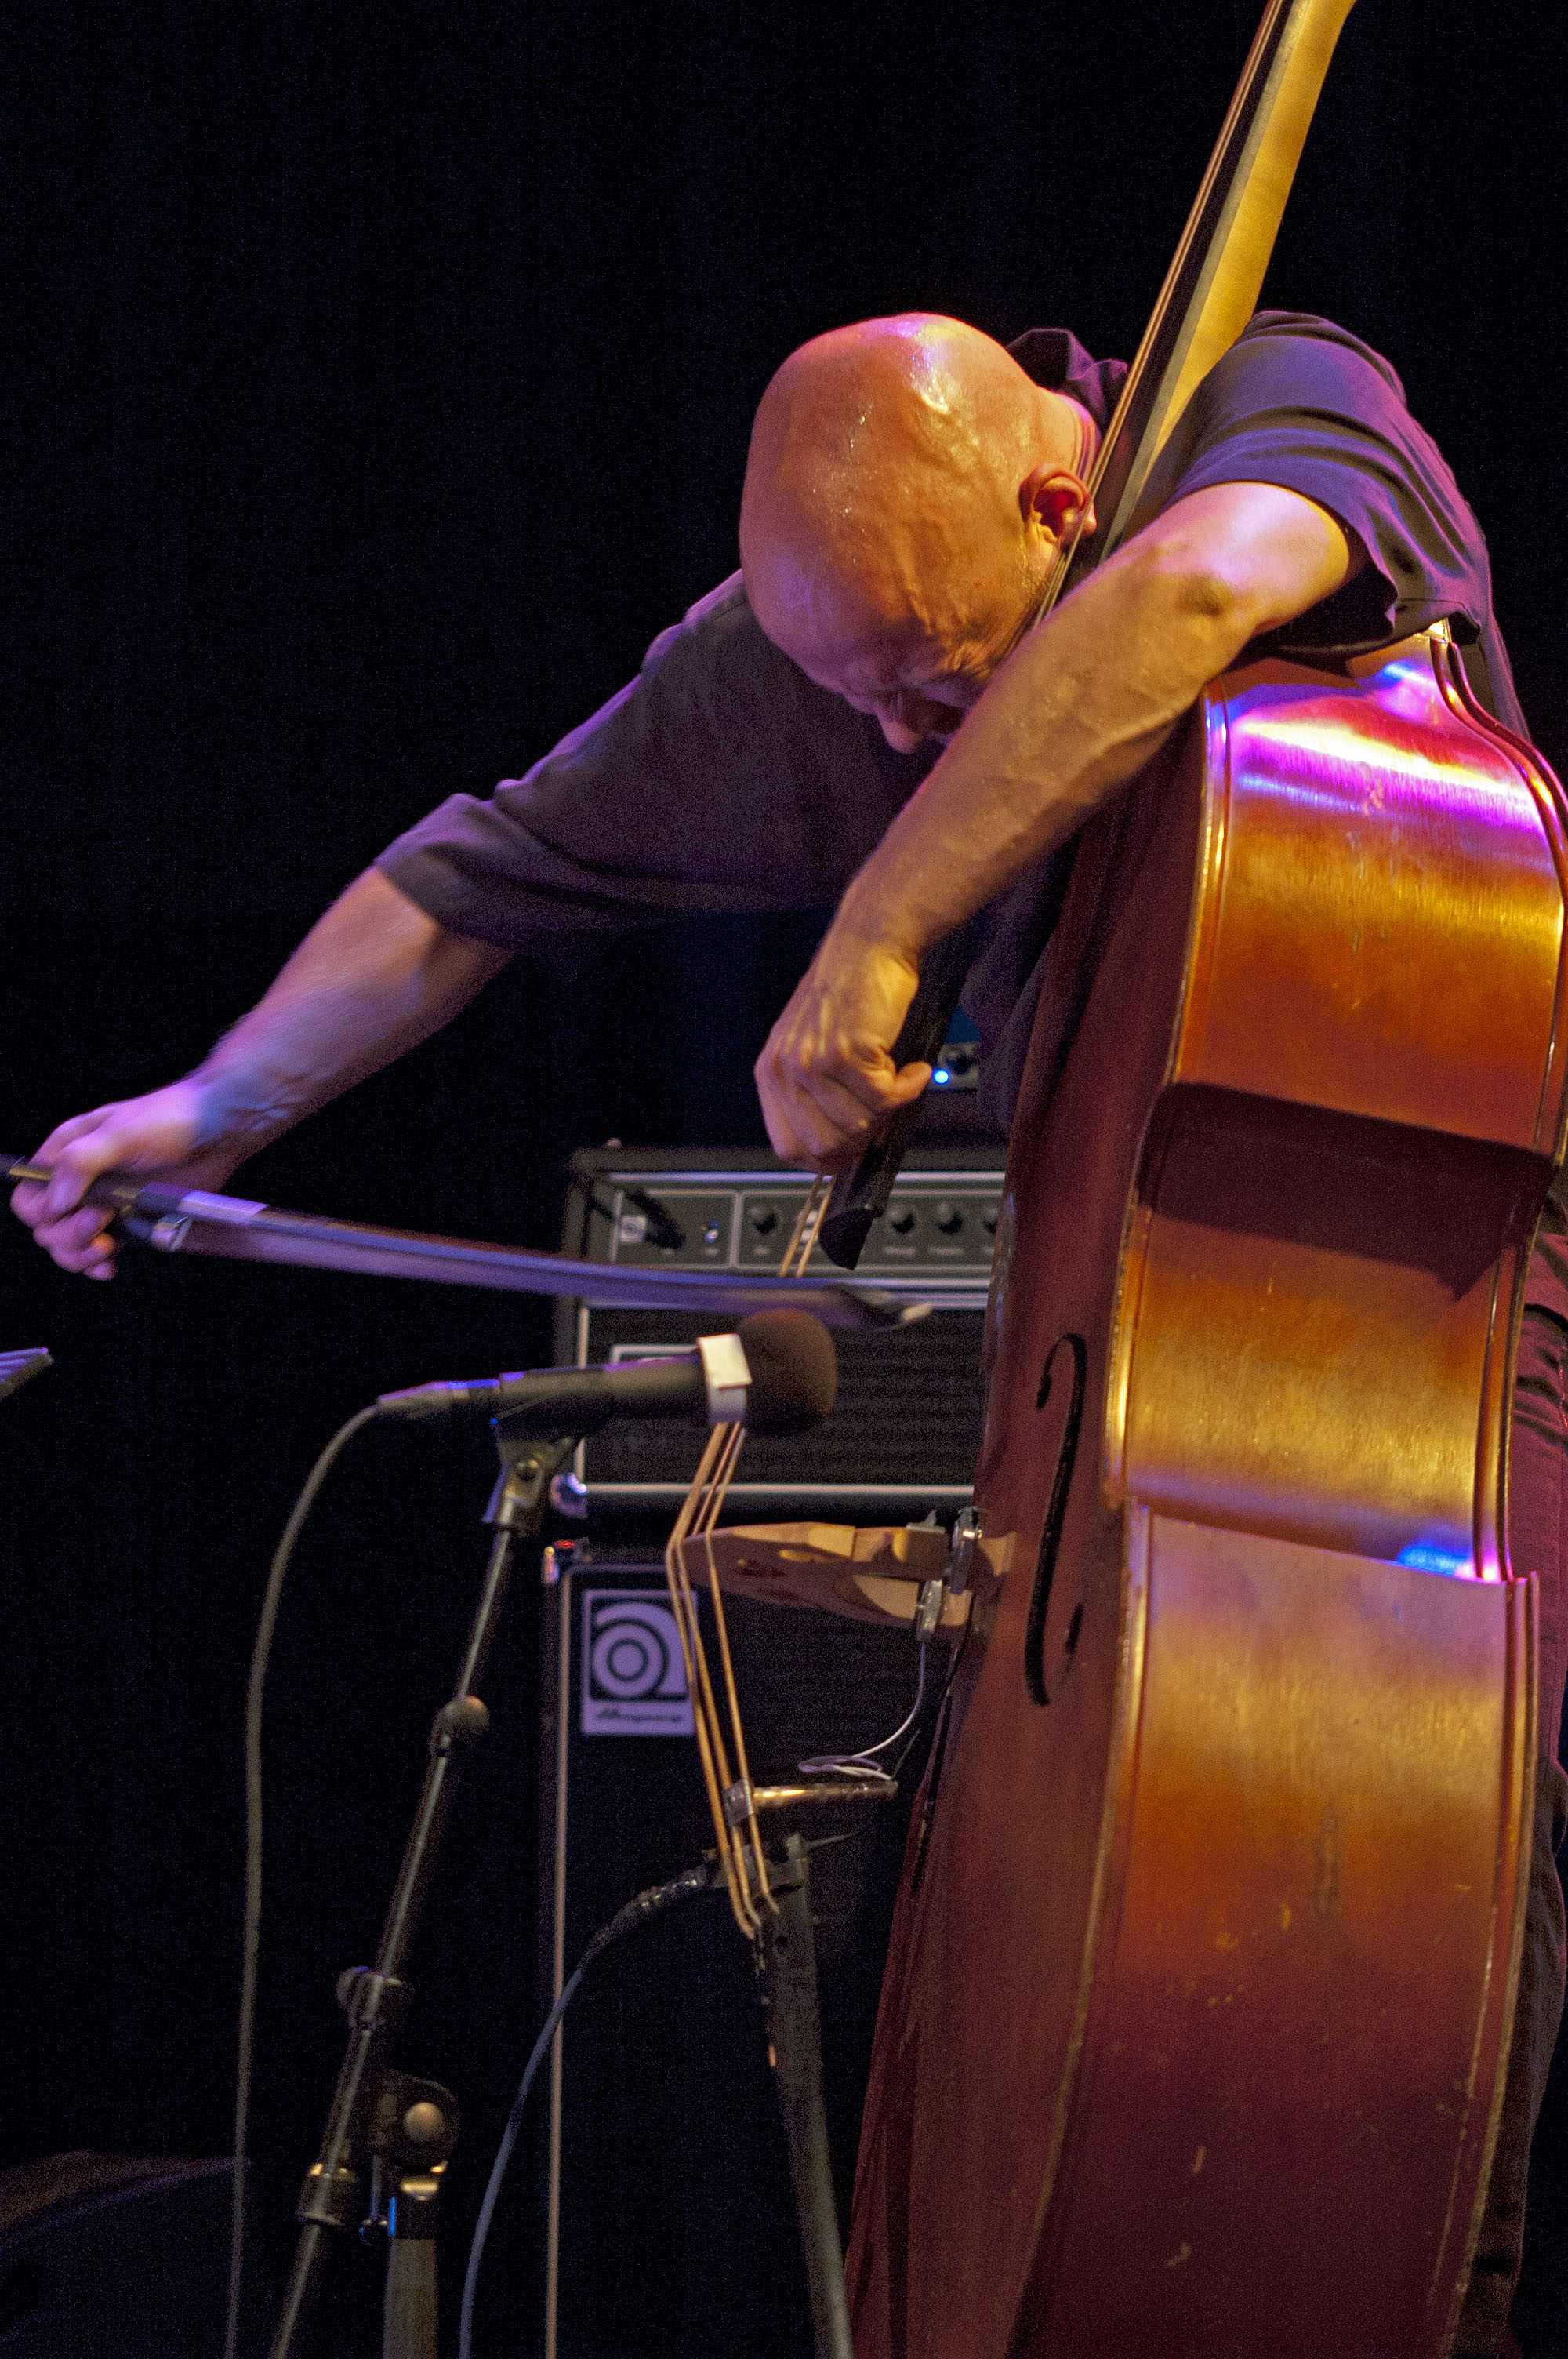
(1294, 2030)
(1379, 887)
(1245, 1892)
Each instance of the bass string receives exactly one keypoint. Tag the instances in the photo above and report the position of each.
(709, 1735)
(731, 1799)
(740, 1799)
(730, 1796)
(802, 1236)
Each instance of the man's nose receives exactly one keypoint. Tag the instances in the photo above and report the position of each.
(900, 737)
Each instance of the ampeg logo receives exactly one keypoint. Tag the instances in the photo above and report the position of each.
(634, 1680)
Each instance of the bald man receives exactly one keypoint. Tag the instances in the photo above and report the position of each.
(787, 745)
(864, 717)
(907, 489)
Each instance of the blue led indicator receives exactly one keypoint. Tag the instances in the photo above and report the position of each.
(941, 1075)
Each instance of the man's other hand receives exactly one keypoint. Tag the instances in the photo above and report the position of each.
(156, 1134)
(372, 977)
(827, 1079)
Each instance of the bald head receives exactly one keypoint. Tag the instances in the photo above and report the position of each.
(905, 491)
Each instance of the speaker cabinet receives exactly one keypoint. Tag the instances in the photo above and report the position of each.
(904, 1436)
(676, 2235)
(105, 2256)
(673, 2229)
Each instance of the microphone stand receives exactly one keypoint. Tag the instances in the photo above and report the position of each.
(408, 2127)
(786, 1986)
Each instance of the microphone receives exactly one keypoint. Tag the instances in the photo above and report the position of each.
(778, 1374)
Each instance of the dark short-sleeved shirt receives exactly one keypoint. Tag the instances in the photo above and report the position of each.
(723, 779)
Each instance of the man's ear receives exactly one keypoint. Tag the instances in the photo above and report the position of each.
(1054, 498)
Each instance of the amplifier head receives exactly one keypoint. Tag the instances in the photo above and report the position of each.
(903, 1439)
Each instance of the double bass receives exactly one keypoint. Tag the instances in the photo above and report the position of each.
(1193, 2035)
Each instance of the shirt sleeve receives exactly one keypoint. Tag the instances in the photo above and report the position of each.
(720, 779)
(1301, 403)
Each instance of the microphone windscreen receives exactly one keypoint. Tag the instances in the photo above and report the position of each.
(794, 1371)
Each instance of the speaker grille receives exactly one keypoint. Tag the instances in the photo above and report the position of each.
(908, 1412)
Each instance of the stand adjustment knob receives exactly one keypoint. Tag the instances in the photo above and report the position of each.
(366, 1996)
(459, 1725)
(326, 2203)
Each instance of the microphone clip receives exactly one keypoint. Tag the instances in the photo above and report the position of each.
(728, 1375)
(529, 1465)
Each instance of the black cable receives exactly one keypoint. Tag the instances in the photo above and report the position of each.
(663, 1228)
(251, 1943)
(708, 1878)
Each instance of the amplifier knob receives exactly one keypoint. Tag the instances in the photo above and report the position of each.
(949, 1220)
(764, 1220)
(901, 1221)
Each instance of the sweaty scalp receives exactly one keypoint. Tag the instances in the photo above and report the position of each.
(879, 453)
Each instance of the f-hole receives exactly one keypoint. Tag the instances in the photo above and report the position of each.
(1076, 1349)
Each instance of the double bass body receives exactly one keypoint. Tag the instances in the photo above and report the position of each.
(1193, 2032)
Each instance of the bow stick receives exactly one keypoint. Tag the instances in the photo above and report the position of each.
(191, 1221)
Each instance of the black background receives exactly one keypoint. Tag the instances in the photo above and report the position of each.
(378, 381)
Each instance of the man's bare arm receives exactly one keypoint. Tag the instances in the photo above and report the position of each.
(1072, 715)
(374, 976)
